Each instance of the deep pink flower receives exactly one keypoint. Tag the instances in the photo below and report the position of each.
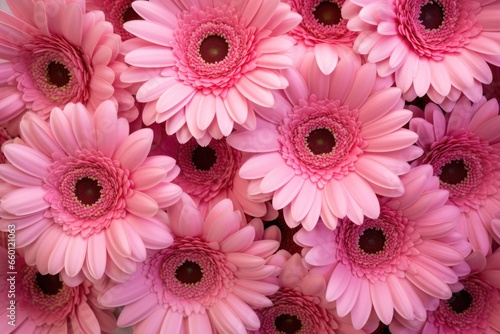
(45, 304)
(463, 148)
(322, 35)
(87, 197)
(203, 63)
(299, 306)
(208, 173)
(436, 47)
(395, 263)
(206, 282)
(329, 146)
(55, 53)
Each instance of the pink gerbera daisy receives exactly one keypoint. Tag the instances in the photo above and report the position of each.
(204, 62)
(87, 197)
(322, 34)
(398, 262)
(463, 147)
(116, 12)
(436, 47)
(206, 282)
(329, 146)
(55, 53)
(208, 173)
(299, 306)
(45, 304)
(475, 305)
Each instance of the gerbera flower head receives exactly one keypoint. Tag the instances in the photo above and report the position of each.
(44, 303)
(322, 33)
(436, 47)
(116, 12)
(55, 54)
(208, 173)
(329, 146)
(208, 281)
(299, 306)
(475, 304)
(203, 64)
(395, 263)
(462, 148)
(86, 196)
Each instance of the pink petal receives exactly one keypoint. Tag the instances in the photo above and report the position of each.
(27, 159)
(180, 91)
(236, 105)
(141, 205)
(75, 255)
(172, 322)
(259, 140)
(382, 301)
(134, 150)
(326, 57)
(24, 201)
(255, 93)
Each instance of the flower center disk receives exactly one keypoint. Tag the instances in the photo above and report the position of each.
(321, 141)
(286, 323)
(189, 273)
(88, 190)
(214, 49)
(327, 13)
(460, 301)
(49, 284)
(204, 157)
(431, 15)
(372, 241)
(454, 172)
(57, 74)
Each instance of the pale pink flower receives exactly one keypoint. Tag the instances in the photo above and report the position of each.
(55, 53)
(208, 173)
(299, 306)
(322, 35)
(87, 198)
(207, 282)
(116, 12)
(463, 148)
(436, 47)
(397, 263)
(204, 63)
(329, 146)
(45, 304)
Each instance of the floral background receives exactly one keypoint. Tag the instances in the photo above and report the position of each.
(249, 166)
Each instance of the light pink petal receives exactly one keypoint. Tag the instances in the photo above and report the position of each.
(172, 322)
(265, 13)
(362, 85)
(141, 205)
(199, 323)
(125, 293)
(238, 241)
(164, 194)
(56, 259)
(37, 133)
(96, 255)
(116, 237)
(422, 81)
(157, 12)
(146, 177)
(338, 282)
(376, 172)
(83, 127)
(311, 219)
(336, 198)
(347, 301)
(276, 178)
(326, 57)
(226, 223)
(274, 61)
(286, 194)
(303, 202)
(27, 159)
(236, 105)
(255, 93)
(247, 316)
(258, 165)
(203, 107)
(297, 90)
(62, 129)
(251, 297)
(382, 301)
(24, 201)
(138, 310)
(29, 235)
(265, 78)
(134, 150)
(259, 141)
(75, 255)
(225, 320)
(182, 94)
(379, 104)
(428, 282)
(153, 32)
(363, 306)
(361, 192)
(18, 178)
(105, 120)
(397, 140)
(402, 303)
(386, 124)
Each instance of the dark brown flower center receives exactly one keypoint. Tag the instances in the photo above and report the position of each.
(57, 74)
(130, 14)
(460, 301)
(204, 157)
(431, 15)
(320, 141)
(213, 49)
(372, 241)
(453, 172)
(328, 13)
(189, 272)
(88, 190)
(49, 284)
(286, 323)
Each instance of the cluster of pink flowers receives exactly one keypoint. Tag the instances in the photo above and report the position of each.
(250, 166)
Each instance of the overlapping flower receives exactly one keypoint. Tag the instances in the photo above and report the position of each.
(250, 166)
